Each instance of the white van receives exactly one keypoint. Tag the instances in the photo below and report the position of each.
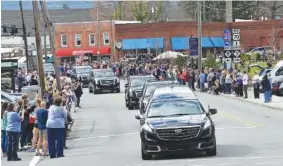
(277, 76)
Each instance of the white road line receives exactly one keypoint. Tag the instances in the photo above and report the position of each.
(34, 161)
(267, 163)
(227, 164)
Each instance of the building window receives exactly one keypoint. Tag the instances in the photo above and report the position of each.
(63, 40)
(91, 39)
(78, 40)
(106, 38)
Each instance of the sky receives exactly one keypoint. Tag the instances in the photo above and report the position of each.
(27, 5)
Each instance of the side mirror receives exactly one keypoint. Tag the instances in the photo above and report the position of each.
(138, 117)
(212, 111)
(126, 85)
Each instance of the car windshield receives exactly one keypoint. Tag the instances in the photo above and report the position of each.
(84, 70)
(149, 89)
(104, 74)
(140, 81)
(174, 108)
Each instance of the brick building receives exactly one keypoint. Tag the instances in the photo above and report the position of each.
(175, 35)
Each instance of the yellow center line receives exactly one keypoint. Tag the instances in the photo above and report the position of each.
(238, 119)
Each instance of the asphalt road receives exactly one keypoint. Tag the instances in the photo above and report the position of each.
(106, 134)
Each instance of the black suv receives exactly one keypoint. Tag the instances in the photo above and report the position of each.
(175, 120)
(133, 90)
(83, 72)
(149, 87)
(103, 79)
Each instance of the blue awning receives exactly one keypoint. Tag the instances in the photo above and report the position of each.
(155, 43)
(206, 43)
(132, 44)
(217, 41)
(180, 43)
(142, 43)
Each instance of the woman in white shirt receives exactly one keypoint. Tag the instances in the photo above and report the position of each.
(256, 85)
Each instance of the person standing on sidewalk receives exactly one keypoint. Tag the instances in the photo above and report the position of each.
(13, 129)
(266, 88)
(256, 85)
(4, 138)
(55, 129)
(270, 81)
(245, 84)
(42, 116)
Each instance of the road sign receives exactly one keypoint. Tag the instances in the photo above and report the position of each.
(227, 37)
(236, 43)
(236, 53)
(235, 48)
(237, 60)
(227, 48)
(193, 42)
(236, 31)
(236, 37)
(227, 60)
(227, 53)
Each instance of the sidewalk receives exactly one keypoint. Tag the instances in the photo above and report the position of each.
(277, 101)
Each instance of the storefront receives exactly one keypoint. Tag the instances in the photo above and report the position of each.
(209, 44)
(90, 54)
(142, 48)
(8, 71)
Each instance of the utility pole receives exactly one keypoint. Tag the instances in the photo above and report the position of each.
(24, 34)
(48, 25)
(45, 47)
(98, 31)
(229, 11)
(199, 36)
(36, 15)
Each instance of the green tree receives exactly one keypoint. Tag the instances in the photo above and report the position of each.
(117, 15)
(181, 61)
(210, 61)
(155, 11)
(140, 11)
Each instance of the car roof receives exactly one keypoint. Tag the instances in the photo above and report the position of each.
(97, 70)
(156, 82)
(83, 67)
(147, 76)
(173, 92)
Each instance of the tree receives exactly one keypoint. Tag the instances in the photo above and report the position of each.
(155, 11)
(180, 61)
(117, 15)
(140, 11)
(210, 61)
(65, 6)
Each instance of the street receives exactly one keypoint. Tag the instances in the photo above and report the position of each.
(105, 133)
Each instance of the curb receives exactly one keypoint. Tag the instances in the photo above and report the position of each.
(248, 101)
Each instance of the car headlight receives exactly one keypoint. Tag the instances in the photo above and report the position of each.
(147, 128)
(281, 85)
(97, 82)
(117, 80)
(131, 92)
(207, 124)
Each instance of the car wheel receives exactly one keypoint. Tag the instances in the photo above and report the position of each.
(145, 156)
(94, 90)
(130, 106)
(89, 89)
(118, 90)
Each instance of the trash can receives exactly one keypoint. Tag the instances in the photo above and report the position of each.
(32, 91)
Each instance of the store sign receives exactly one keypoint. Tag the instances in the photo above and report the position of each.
(193, 46)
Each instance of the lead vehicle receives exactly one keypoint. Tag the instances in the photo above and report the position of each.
(175, 120)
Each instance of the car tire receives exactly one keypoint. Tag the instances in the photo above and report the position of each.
(90, 90)
(130, 106)
(118, 90)
(145, 156)
(211, 152)
(94, 90)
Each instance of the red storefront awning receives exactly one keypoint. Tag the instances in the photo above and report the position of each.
(79, 51)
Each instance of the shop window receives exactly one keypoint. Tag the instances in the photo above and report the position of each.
(106, 38)
(63, 40)
(91, 39)
(78, 40)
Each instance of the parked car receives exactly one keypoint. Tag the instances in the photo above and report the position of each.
(260, 50)
(277, 77)
(175, 120)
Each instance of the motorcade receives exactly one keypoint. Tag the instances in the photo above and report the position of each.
(83, 72)
(103, 80)
(133, 90)
(175, 120)
(277, 77)
(148, 87)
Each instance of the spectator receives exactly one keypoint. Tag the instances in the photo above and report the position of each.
(42, 116)
(35, 132)
(33, 80)
(55, 129)
(256, 85)
(245, 84)
(78, 92)
(266, 88)
(13, 129)
(4, 138)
